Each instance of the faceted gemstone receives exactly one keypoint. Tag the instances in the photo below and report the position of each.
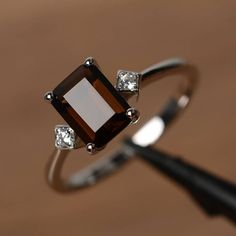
(91, 105)
(64, 137)
(127, 81)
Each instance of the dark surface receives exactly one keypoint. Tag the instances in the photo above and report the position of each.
(41, 41)
(216, 196)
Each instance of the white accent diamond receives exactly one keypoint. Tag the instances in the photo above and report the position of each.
(64, 137)
(127, 81)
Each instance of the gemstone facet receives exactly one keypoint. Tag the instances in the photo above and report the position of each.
(127, 81)
(65, 137)
(91, 105)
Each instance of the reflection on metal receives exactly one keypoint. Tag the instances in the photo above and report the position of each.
(183, 101)
(150, 132)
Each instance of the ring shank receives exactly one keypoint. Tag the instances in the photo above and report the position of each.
(104, 167)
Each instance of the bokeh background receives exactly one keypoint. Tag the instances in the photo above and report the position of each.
(43, 41)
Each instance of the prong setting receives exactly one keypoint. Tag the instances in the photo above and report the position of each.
(89, 61)
(48, 96)
(91, 148)
(133, 115)
(90, 104)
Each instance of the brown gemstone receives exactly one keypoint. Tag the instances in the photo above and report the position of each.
(91, 105)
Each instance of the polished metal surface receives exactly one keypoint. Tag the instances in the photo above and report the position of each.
(133, 115)
(147, 135)
(91, 148)
(89, 61)
(48, 96)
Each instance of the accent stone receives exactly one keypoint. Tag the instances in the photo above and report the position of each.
(127, 81)
(64, 137)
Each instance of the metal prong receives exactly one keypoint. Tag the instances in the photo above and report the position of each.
(90, 61)
(48, 96)
(91, 148)
(133, 115)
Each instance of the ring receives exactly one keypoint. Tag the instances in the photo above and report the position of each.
(96, 112)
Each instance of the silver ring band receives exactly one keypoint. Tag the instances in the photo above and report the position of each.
(158, 124)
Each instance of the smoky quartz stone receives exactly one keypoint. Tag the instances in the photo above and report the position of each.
(91, 105)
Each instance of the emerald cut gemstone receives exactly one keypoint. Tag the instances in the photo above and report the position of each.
(91, 106)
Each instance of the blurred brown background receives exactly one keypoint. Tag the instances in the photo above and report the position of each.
(43, 41)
